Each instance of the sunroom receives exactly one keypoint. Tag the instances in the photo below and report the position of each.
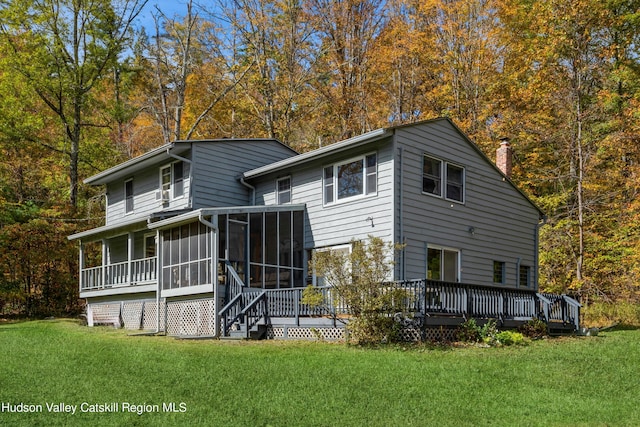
(254, 246)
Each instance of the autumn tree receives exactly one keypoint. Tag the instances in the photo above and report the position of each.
(63, 49)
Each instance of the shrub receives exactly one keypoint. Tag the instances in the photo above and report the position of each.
(534, 329)
(510, 338)
(357, 281)
(469, 331)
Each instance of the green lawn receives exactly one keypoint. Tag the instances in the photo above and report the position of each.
(576, 382)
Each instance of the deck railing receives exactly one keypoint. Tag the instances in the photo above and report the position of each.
(422, 298)
(117, 274)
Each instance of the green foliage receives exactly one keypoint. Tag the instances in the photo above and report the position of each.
(358, 280)
(38, 266)
(534, 329)
(602, 314)
(469, 331)
(510, 338)
(312, 297)
(305, 383)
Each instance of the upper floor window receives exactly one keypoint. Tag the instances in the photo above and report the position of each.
(128, 196)
(356, 177)
(435, 182)
(283, 190)
(172, 181)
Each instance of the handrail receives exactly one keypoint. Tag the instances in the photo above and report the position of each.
(252, 314)
(235, 282)
(226, 323)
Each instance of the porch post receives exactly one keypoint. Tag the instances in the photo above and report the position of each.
(104, 263)
(80, 264)
(214, 275)
(129, 258)
(158, 278)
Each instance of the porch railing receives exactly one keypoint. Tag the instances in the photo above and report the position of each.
(425, 298)
(114, 275)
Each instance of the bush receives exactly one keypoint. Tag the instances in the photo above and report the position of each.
(469, 331)
(510, 338)
(357, 281)
(534, 329)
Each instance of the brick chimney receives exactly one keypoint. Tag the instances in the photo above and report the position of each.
(504, 157)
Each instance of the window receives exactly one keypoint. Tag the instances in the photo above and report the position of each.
(178, 179)
(498, 272)
(172, 181)
(455, 183)
(431, 176)
(357, 177)
(283, 194)
(525, 276)
(434, 182)
(443, 264)
(128, 196)
(186, 256)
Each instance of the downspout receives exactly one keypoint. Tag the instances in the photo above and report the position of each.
(536, 261)
(403, 266)
(250, 187)
(214, 272)
(190, 162)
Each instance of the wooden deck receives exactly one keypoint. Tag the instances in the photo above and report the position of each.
(429, 304)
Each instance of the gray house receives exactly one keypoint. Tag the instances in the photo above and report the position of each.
(203, 235)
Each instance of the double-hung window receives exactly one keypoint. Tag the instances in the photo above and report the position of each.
(442, 178)
(353, 178)
(283, 190)
(128, 196)
(172, 181)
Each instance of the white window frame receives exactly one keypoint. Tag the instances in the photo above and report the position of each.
(444, 168)
(126, 199)
(346, 247)
(333, 185)
(171, 185)
(458, 262)
(279, 193)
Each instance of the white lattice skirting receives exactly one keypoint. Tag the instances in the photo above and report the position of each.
(130, 314)
(190, 318)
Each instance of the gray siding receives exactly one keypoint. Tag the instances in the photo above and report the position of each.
(504, 222)
(218, 167)
(341, 222)
(145, 185)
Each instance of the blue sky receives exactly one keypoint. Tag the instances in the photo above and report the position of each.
(170, 8)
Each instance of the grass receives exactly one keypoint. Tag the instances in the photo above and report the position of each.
(572, 382)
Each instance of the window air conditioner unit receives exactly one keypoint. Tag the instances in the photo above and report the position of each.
(162, 195)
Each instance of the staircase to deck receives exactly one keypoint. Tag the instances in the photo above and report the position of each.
(245, 316)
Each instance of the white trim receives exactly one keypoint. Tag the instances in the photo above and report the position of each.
(133, 198)
(365, 194)
(278, 202)
(449, 249)
(187, 290)
(443, 179)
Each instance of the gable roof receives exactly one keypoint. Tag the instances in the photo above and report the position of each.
(165, 153)
(368, 138)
